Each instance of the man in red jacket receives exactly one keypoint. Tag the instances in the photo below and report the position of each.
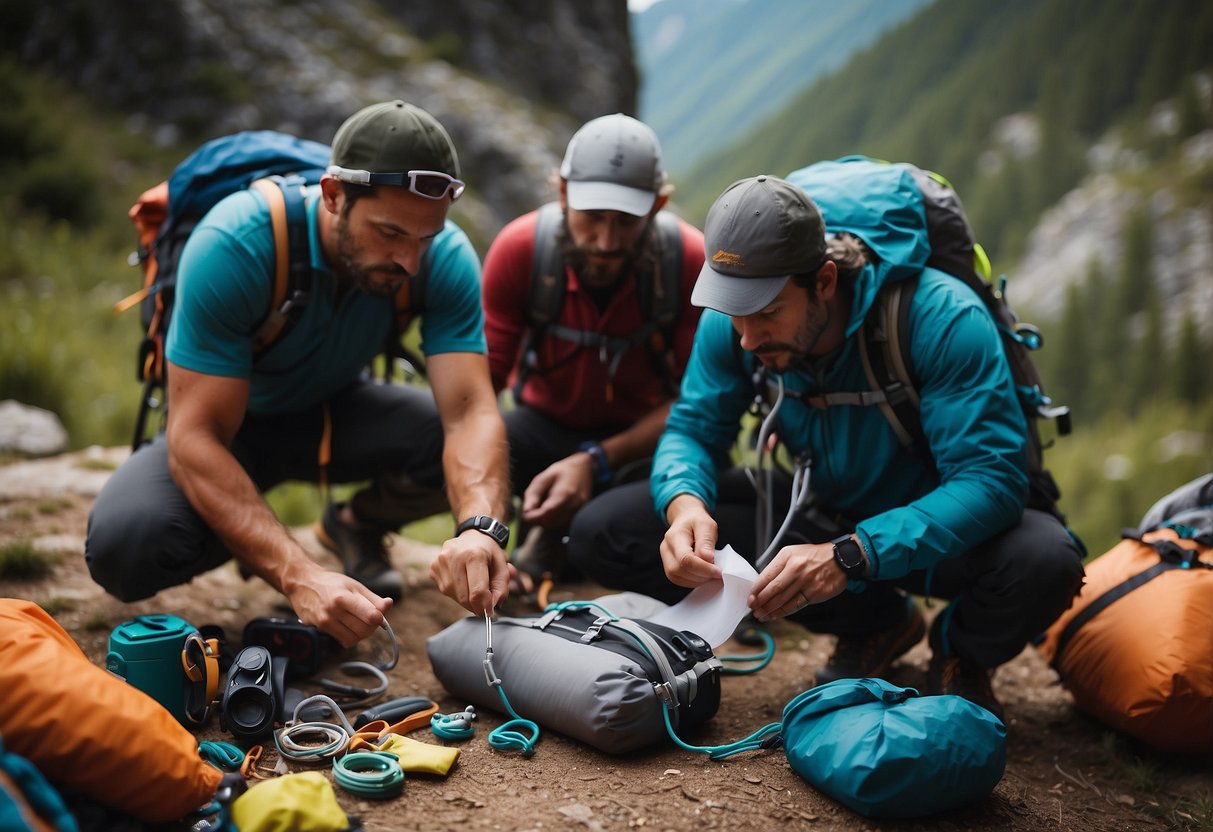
(596, 349)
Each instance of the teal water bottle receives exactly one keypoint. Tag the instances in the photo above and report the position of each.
(146, 652)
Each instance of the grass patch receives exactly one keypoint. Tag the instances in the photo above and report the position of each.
(1147, 773)
(57, 605)
(20, 560)
(96, 464)
(52, 507)
(96, 623)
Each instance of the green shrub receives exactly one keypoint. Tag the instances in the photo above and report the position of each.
(20, 560)
(61, 187)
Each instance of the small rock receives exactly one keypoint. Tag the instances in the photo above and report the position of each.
(29, 430)
(673, 771)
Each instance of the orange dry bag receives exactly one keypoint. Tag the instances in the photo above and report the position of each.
(1136, 648)
(90, 731)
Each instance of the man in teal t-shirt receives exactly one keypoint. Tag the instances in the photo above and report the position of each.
(241, 422)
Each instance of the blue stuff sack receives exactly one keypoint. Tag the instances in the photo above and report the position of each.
(886, 752)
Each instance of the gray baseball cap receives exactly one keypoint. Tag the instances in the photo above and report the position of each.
(613, 163)
(759, 233)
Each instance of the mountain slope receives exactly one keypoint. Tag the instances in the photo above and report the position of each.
(711, 69)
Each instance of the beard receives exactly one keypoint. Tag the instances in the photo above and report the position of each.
(778, 356)
(599, 274)
(378, 279)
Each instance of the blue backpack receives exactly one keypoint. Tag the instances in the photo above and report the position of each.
(865, 197)
(279, 166)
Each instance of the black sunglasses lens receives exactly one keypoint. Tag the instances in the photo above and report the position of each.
(430, 185)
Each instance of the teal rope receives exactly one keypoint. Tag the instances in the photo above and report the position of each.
(375, 774)
(763, 658)
(508, 737)
(764, 737)
(579, 605)
(222, 755)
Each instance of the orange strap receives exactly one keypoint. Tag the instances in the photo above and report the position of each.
(282, 263)
(324, 454)
(365, 737)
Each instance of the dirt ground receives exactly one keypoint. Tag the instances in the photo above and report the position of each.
(1064, 771)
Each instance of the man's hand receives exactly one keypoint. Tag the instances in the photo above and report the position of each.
(688, 551)
(559, 491)
(798, 576)
(336, 603)
(473, 569)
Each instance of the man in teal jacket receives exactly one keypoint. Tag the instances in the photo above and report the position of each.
(872, 518)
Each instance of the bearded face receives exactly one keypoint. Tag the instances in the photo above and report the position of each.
(600, 255)
(354, 268)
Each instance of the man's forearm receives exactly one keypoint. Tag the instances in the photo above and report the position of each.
(475, 462)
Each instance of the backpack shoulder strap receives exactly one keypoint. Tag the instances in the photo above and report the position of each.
(407, 304)
(884, 345)
(661, 300)
(666, 291)
(547, 271)
(292, 268)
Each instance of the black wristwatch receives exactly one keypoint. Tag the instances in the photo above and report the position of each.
(484, 524)
(849, 556)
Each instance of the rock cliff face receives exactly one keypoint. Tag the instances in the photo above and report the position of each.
(510, 81)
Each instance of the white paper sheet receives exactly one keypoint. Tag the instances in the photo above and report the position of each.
(713, 610)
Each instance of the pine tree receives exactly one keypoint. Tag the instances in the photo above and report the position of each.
(1189, 376)
(1149, 353)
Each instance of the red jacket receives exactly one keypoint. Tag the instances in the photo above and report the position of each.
(578, 392)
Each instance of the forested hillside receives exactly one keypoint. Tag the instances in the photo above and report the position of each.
(713, 69)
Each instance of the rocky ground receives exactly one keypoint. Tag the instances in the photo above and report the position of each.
(1064, 770)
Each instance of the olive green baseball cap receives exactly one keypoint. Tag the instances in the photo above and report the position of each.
(392, 137)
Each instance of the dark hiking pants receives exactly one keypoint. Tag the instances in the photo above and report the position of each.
(1004, 592)
(144, 536)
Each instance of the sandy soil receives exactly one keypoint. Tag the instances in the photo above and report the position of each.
(1064, 770)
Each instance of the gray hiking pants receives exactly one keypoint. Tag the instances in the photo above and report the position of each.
(1004, 592)
(144, 536)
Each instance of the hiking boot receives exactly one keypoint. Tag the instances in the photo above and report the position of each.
(542, 554)
(363, 553)
(869, 655)
(953, 675)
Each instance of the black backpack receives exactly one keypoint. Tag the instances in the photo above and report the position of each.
(660, 300)
(279, 166)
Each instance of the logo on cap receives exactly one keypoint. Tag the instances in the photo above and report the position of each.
(728, 258)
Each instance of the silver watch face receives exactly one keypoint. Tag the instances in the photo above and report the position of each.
(491, 526)
(498, 531)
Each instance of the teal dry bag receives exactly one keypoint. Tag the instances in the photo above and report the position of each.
(886, 752)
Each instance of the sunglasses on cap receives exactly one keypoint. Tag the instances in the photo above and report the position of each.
(431, 184)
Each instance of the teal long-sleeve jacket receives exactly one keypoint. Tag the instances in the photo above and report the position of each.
(909, 512)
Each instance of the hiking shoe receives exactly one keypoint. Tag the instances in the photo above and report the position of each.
(363, 553)
(871, 654)
(542, 554)
(954, 675)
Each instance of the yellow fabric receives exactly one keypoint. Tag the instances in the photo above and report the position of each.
(302, 802)
(420, 757)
